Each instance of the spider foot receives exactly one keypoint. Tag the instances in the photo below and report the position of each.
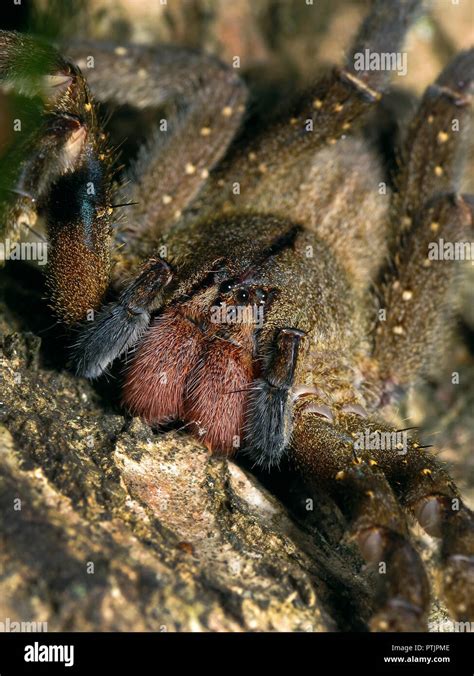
(335, 457)
(449, 519)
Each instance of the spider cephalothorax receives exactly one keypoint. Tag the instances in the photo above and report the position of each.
(256, 320)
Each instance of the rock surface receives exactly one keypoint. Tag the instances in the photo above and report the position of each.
(105, 525)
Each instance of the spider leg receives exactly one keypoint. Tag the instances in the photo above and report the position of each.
(418, 295)
(119, 325)
(325, 114)
(268, 420)
(420, 482)
(430, 161)
(351, 91)
(332, 457)
(171, 169)
(428, 491)
(59, 168)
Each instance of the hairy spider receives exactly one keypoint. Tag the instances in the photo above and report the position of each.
(256, 322)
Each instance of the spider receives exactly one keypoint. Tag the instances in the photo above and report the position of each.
(267, 319)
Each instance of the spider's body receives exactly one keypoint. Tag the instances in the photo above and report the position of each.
(256, 320)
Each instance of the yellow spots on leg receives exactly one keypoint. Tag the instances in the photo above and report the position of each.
(373, 462)
(370, 494)
(434, 226)
(205, 131)
(406, 221)
(407, 295)
(332, 141)
(293, 121)
(430, 119)
(340, 475)
(227, 111)
(252, 157)
(317, 104)
(396, 284)
(398, 330)
(337, 107)
(426, 263)
(346, 126)
(221, 183)
(262, 167)
(142, 73)
(438, 170)
(426, 472)
(88, 107)
(190, 169)
(102, 211)
(166, 199)
(120, 51)
(177, 214)
(101, 157)
(204, 173)
(442, 137)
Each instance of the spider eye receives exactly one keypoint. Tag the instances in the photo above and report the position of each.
(261, 296)
(226, 286)
(242, 296)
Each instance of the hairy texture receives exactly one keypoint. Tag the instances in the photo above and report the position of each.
(156, 379)
(216, 395)
(78, 274)
(178, 159)
(119, 325)
(430, 161)
(420, 294)
(64, 170)
(268, 420)
(296, 222)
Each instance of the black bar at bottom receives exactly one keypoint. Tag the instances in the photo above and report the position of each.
(81, 653)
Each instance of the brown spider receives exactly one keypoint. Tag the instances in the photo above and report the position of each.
(268, 319)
